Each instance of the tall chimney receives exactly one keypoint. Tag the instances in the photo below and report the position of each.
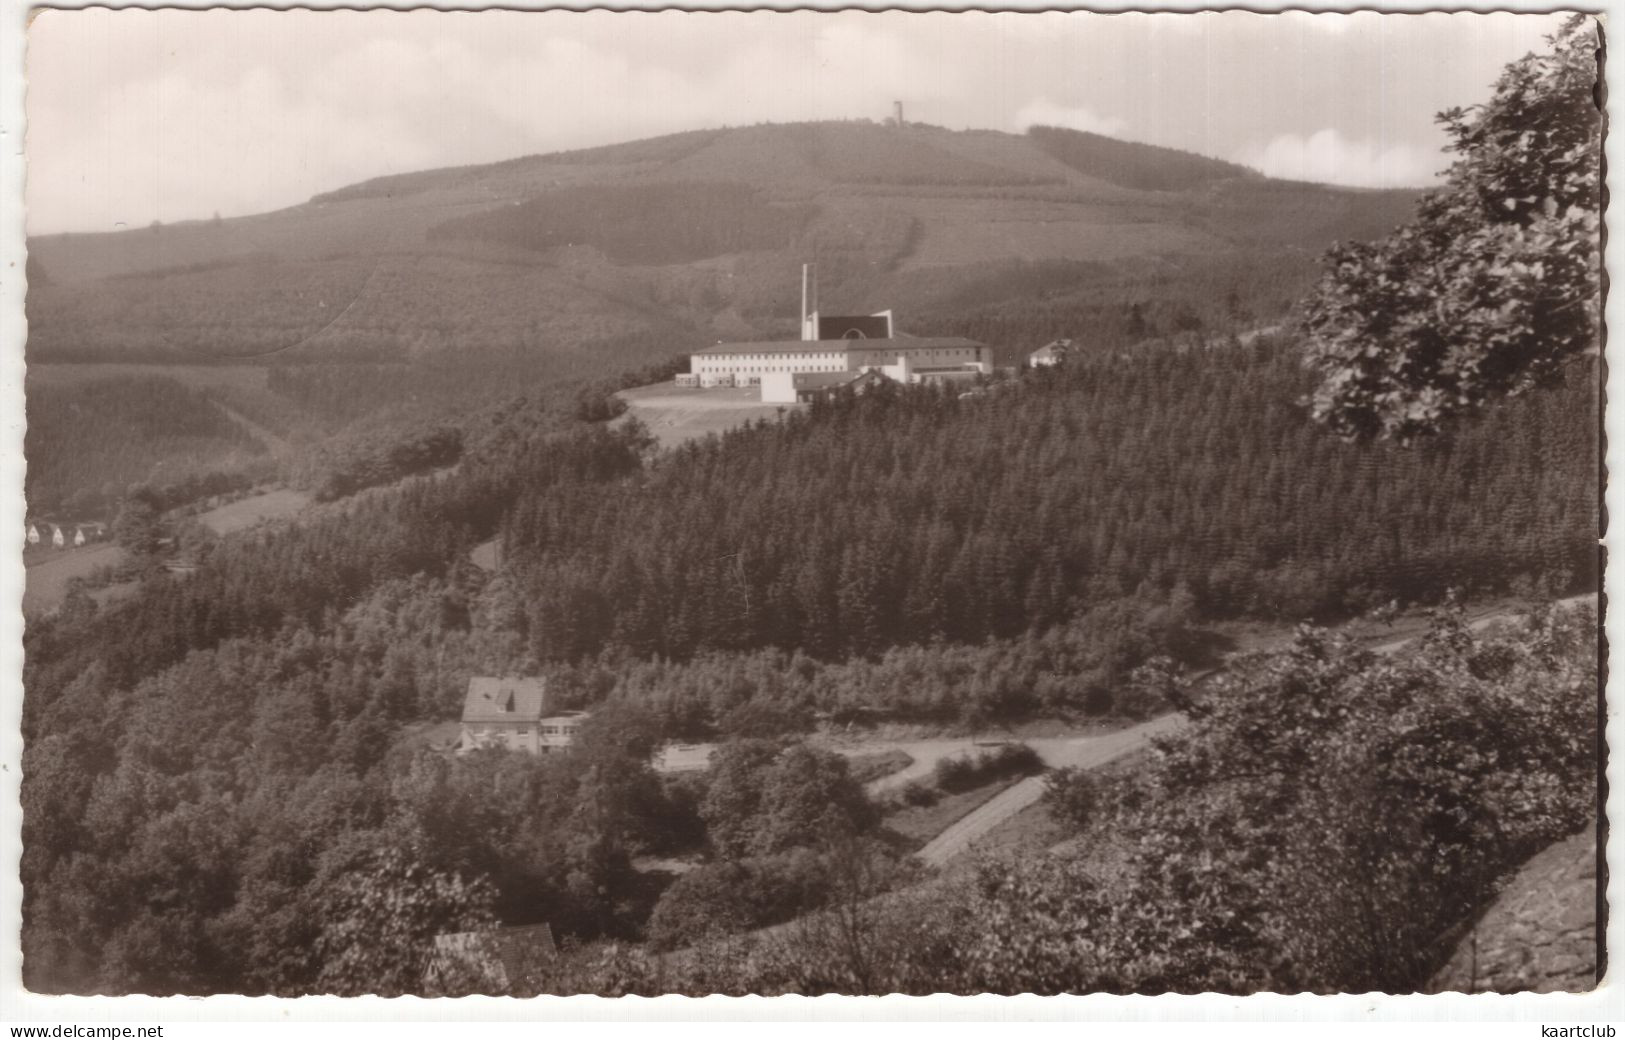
(897, 107)
(809, 301)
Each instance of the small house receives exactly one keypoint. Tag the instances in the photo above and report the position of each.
(503, 713)
(91, 532)
(1050, 354)
(560, 731)
(801, 387)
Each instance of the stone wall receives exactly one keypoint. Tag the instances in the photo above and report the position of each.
(1540, 934)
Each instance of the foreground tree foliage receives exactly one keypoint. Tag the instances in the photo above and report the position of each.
(1495, 286)
(1324, 822)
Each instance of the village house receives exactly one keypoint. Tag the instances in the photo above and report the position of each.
(91, 532)
(512, 713)
(61, 535)
(1049, 354)
(503, 712)
(561, 731)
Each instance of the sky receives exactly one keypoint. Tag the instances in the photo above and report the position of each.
(136, 116)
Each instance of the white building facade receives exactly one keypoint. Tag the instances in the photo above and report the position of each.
(773, 365)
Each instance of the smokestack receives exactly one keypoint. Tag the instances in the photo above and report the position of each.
(897, 107)
(809, 301)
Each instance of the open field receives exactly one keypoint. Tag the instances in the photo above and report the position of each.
(683, 758)
(46, 582)
(113, 593)
(678, 414)
(253, 510)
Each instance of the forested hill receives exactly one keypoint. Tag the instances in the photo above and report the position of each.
(213, 766)
(909, 517)
(697, 237)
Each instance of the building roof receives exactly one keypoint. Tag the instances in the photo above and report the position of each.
(497, 961)
(827, 346)
(854, 326)
(1055, 349)
(493, 699)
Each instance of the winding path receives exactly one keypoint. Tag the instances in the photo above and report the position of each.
(1090, 752)
(1079, 752)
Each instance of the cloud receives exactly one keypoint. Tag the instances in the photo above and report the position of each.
(135, 116)
(1328, 158)
(183, 141)
(1044, 112)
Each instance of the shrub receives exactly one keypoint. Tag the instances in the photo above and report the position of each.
(1070, 795)
(964, 773)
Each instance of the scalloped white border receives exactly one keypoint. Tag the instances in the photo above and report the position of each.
(1454, 1013)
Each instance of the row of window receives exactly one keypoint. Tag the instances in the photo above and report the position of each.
(780, 368)
(726, 359)
(780, 363)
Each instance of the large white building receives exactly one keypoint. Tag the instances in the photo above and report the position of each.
(773, 365)
(832, 346)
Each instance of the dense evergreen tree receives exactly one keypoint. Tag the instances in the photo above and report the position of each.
(208, 760)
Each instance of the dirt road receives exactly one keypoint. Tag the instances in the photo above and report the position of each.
(1479, 621)
(1059, 752)
(1088, 753)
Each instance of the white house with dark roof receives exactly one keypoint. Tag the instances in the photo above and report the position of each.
(503, 712)
(1050, 354)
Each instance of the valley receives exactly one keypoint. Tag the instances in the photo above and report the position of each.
(436, 611)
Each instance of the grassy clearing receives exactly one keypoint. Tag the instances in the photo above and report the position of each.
(46, 582)
(870, 767)
(676, 415)
(256, 509)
